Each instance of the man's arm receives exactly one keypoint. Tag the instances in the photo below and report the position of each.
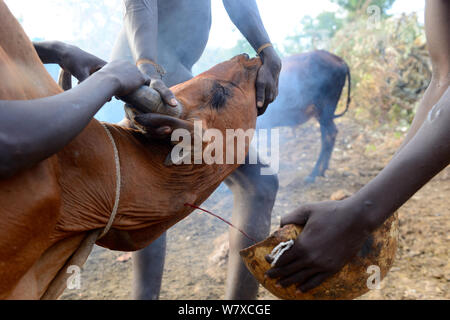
(32, 130)
(141, 27)
(315, 255)
(71, 58)
(245, 16)
(437, 24)
(424, 152)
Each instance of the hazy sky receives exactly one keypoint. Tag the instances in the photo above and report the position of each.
(53, 20)
(48, 19)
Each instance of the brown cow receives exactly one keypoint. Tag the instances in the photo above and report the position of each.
(47, 211)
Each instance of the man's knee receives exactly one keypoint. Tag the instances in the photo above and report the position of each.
(262, 188)
(248, 178)
(268, 187)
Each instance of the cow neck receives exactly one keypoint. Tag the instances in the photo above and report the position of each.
(150, 191)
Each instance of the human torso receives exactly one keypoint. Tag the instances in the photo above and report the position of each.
(183, 30)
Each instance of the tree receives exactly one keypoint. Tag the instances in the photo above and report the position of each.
(315, 33)
(357, 7)
(97, 22)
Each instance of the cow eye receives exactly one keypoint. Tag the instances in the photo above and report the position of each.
(219, 95)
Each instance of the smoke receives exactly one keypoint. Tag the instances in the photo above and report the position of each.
(307, 86)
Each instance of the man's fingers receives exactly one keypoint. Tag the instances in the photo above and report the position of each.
(296, 255)
(163, 131)
(270, 95)
(267, 101)
(167, 95)
(298, 278)
(299, 216)
(276, 91)
(289, 262)
(153, 120)
(313, 282)
(147, 80)
(285, 270)
(260, 94)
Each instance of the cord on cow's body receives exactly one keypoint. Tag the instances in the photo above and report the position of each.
(118, 182)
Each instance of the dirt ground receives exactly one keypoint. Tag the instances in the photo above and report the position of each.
(195, 268)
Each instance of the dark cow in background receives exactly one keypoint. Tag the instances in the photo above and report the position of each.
(310, 86)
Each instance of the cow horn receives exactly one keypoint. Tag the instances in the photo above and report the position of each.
(145, 99)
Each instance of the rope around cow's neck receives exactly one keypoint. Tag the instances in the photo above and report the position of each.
(118, 183)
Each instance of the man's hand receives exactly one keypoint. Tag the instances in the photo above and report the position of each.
(156, 83)
(331, 237)
(127, 76)
(267, 79)
(160, 126)
(78, 62)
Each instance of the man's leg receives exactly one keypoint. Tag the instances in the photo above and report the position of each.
(254, 197)
(148, 263)
(437, 24)
(148, 266)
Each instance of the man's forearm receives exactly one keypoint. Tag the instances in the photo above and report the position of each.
(418, 162)
(32, 130)
(141, 26)
(245, 16)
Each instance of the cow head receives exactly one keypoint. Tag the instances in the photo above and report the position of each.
(220, 98)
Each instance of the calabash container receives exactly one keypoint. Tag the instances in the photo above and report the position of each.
(355, 278)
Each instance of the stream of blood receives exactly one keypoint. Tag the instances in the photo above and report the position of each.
(222, 219)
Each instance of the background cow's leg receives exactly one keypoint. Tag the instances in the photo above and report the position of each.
(317, 168)
(329, 133)
(328, 137)
(254, 197)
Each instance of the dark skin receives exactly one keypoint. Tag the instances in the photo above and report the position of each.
(174, 34)
(77, 62)
(28, 133)
(141, 27)
(424, 153)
